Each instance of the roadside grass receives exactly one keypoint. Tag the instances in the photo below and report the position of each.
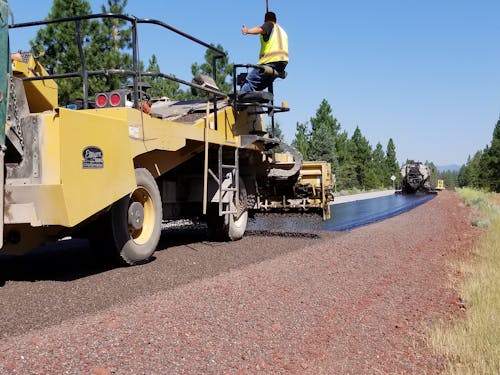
(472, 345)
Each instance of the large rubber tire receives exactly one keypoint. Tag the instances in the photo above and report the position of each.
(229, 227)
(136, 221)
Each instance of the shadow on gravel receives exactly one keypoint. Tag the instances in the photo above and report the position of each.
(69, 279)
(70, 260)
(182, 235)
(74, 259)
(62, 261)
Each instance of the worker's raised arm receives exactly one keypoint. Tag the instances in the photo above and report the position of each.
(252, 30)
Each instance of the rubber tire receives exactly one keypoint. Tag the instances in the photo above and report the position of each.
(229, 227)
(137, 246)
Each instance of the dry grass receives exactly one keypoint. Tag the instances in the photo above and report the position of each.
(472, 345)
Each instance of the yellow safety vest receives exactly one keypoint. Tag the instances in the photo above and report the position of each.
(276, 48)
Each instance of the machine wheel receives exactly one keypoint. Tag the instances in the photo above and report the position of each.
(136, 221)
(229, 227)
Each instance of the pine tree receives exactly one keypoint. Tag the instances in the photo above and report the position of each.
(224, 71)
(490, 162)
(362, 157)
(301, 140)
(324, 117)
(463, 174)
(382, 178)
(57, 46)
(450, 179)
(483, 170)
(392, 166)
(474, 170)
(118, 28)
(322, 146)
(324, 132)
(346, 173)
(161, 87)
(106, 44)
(112, 48)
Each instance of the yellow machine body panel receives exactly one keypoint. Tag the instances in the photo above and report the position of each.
(85, 164)
(317, 173)
(157, 134)
(34, 202)
(42, 95)
(86, 160)
(315, 178)
(96, 163)
(160, 145)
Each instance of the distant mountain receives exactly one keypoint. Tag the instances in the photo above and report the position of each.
(451, 167)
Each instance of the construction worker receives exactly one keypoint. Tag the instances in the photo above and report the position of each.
(273, 52)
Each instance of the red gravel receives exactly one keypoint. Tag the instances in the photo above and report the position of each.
(356, 303)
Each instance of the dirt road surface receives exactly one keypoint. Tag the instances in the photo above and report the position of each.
(358, 302)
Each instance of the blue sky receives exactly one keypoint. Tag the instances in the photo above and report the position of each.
(425, 73)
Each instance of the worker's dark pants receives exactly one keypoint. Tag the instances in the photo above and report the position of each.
(257, 82)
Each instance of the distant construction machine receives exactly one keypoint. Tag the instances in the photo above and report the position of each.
(416, 178)
(440, 185)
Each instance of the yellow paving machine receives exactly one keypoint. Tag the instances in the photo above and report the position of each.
(111, 166)
(440, 185)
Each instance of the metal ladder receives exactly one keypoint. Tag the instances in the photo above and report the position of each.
(234, 186)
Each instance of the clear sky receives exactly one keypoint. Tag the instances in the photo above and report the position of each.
(425, 73)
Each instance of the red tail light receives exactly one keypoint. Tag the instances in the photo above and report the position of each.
(101, 100)
(115, 99)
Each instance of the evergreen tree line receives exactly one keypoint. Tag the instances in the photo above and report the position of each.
(355, 164)
(482, 171)
(450, 179)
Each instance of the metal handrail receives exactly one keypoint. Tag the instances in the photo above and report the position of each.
(84, 74)
(131, 19)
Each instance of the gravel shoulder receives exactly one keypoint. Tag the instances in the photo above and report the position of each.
(314, 303)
